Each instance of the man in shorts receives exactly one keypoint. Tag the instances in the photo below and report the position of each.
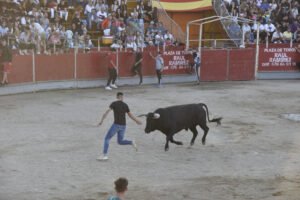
(119, 126)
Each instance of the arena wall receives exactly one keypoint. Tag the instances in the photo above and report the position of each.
(217, 65)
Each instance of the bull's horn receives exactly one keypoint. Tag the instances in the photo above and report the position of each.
(156, 115)
(142, 115)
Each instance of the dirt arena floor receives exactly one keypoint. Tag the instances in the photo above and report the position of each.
(49, 142)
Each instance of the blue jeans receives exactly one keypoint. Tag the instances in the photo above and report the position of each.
(115, 128)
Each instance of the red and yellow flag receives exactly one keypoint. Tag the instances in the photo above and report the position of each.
(183, 5)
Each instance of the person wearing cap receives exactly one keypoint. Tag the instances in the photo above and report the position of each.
(159, 65)
(120, 108)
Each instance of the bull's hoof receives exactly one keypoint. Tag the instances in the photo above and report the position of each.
(167, 149)
(203, 142)
(192, 143)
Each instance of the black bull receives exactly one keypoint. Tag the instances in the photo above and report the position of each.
(173, 119)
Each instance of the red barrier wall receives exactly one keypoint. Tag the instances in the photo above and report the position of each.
(21, 70)
(126, 61)
(278, 57)
(92, 65)
(240, 62)
(54, 67)
(214, 65)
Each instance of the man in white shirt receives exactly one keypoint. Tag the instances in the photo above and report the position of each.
(277, 37)
(40, 36)
(262, 33)
(168, 35)
(101, 14)
(269, 28)
(88, 12)
(131, 44)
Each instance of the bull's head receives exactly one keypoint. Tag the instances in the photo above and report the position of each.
(151, 121)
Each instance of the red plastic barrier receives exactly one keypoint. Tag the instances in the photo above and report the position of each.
(126, 61)
(21, 70)
(92, 65)
(278, 57)
(241, 64)
(214, 65)
(54, 67)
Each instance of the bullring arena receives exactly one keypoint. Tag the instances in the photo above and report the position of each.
(50, 141)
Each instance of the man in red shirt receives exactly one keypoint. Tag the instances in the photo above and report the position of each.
(112, 70)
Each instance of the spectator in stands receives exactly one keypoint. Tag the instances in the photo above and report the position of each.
(123, 6)
(131, 44)
(161, 28)
(100, 4)
(102, 15)
(277, 37)
(106, 25)
(6, 61)
(40, 37)
(63, 11)
(115, 6)
(270, 29)
(159, 39)
(88, 12)
(287, 36)
(26, 41)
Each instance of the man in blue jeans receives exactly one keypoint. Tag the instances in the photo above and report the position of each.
(119, 126)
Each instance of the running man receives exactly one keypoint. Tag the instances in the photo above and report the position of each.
(119, 126)
(138, 65)
(159, 62)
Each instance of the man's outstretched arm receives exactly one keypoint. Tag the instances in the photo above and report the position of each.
(134, 119)
(104, 116)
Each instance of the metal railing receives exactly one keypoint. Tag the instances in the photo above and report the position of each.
(169, 23)
(222, 11)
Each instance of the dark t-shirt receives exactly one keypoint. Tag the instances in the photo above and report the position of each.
(120, 109)
(138, 57)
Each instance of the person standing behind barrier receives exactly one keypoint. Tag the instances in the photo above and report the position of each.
(298, 62)
(112, 70)
(196, 64)
(137, 67)
(6, 61)
(121, 185)
(159, 62)
(119, 126)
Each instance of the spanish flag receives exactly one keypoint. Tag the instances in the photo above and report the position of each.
(183, 5)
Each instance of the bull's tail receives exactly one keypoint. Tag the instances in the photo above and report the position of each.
(217, 120)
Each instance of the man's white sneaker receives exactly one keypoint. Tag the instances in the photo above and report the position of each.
(102, 158)
(113, 86)
(108, 88)
(134, 145)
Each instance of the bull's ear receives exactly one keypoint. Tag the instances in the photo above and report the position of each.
(156, 115)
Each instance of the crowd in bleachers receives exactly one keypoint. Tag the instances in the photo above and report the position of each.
(279, 20)
(39, 25)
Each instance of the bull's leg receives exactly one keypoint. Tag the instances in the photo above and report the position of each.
(175, 142)
(205, 129)
(195, 133)
(168, 138)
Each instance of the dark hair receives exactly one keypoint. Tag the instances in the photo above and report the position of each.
(119, 94)
(121, 184)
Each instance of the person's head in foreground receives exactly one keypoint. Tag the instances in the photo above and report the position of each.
(120, 96)
(121, 188)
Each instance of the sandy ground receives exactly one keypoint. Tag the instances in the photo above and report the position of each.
(49, 142)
